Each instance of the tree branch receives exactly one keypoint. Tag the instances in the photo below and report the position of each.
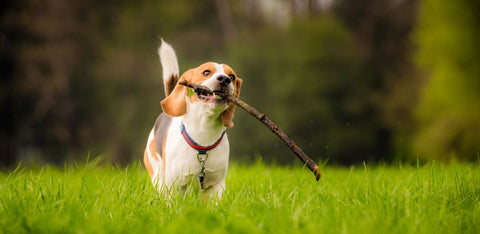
(266, 121)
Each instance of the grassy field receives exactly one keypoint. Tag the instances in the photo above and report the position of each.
(433, 198)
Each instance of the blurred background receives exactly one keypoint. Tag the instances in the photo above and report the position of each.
(349, 81)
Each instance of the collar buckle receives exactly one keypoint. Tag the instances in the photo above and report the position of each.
(202, 158)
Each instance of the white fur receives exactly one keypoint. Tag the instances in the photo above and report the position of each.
(169, 61)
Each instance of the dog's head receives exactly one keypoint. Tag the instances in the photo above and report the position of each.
(216, 77)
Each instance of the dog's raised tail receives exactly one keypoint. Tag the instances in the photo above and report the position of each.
(169, 67)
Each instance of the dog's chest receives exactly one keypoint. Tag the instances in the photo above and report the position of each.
(182, 163)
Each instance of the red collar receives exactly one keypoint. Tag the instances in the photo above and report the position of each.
(199, 148)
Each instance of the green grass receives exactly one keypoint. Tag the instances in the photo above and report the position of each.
(434, 198)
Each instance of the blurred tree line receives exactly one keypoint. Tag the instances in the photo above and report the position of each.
(348, 80)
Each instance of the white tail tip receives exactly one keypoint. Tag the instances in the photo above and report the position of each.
(168, 58)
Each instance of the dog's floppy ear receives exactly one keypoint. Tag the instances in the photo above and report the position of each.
(227, 115)
(175, 104)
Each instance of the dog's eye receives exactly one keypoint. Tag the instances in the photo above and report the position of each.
(206, 72)
(232, 77)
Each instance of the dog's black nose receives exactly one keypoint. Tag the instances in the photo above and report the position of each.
(224, 80)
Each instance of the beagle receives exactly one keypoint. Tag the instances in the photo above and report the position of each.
(188, 140)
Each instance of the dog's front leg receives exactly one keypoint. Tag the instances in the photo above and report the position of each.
(216, 190)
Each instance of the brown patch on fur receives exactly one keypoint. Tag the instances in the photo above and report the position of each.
(174, 104)
(147, 163)
(163, 153)
(153, 150)
(170, 84)
(227, 115)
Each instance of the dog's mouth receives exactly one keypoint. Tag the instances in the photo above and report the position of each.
(213, 97)
(209, 97)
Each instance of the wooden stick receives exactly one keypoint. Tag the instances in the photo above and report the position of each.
(266, 121)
